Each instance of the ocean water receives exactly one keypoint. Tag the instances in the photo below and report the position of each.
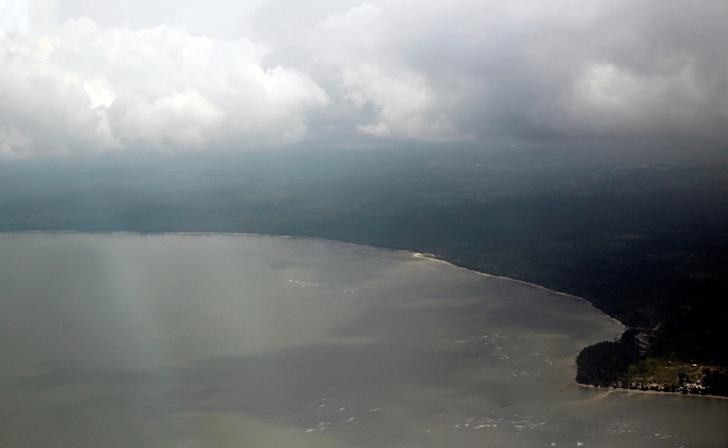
(207, 341)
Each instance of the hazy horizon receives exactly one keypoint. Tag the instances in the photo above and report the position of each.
(91, 77)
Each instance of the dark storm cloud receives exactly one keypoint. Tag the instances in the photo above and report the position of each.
(190, 75)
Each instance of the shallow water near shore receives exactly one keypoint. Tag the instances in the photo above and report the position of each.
(124, 340)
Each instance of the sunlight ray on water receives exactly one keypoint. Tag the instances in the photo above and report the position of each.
(121, 340)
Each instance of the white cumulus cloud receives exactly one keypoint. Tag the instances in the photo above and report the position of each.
(83, 88)
(82, 76)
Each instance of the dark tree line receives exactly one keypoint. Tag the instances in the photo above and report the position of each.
(608, 362)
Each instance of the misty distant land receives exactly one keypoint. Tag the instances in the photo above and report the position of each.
(640, 233)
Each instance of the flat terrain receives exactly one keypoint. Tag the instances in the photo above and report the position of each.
(642, 234)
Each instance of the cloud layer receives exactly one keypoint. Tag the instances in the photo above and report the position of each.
(86, 88)
(83, 77)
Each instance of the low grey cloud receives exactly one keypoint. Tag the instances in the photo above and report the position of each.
(86, 76)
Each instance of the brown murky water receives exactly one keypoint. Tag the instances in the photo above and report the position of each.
(211, 341)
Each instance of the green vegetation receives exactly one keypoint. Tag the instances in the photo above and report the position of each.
(611, 364)
(641, 234)
(607, 363)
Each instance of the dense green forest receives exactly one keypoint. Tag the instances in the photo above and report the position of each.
(642, 234)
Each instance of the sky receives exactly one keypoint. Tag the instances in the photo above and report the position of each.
(86, 77)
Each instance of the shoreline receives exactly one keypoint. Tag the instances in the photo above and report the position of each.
(411, 253)
(622, 390)
(436, 259)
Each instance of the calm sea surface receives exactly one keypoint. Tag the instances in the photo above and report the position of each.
(216, 341)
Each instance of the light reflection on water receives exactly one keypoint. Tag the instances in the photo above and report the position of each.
(122, 340)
